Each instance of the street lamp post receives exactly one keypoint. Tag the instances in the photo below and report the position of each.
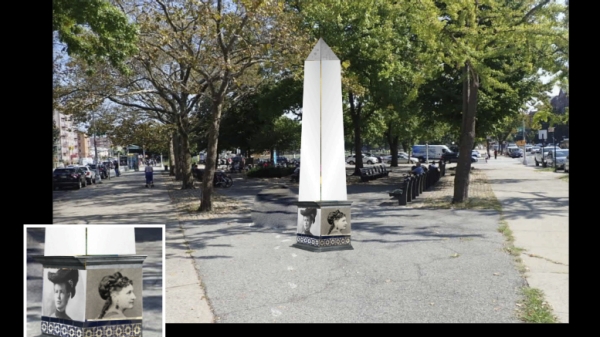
(98, 175)
(551, 129)
(524, 146)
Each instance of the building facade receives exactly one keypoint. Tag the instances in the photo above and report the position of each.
(83, 145)
(68, 142)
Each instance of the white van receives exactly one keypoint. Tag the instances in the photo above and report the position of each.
(435, 151)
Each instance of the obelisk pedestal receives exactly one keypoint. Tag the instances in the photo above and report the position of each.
(92, 282)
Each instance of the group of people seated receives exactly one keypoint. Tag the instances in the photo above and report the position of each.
(419, 169)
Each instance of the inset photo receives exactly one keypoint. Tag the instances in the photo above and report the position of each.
(94, 280)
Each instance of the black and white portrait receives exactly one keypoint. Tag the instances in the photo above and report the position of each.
(114, 294)
(64, 293)
(309, 221)
(336, 221)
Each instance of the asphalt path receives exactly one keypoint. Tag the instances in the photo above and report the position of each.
(408, 265)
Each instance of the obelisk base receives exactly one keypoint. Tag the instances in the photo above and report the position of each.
(86, 302)
(330, 226)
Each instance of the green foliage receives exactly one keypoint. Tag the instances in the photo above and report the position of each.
(270, 172)
(95, 30)
(256, 123)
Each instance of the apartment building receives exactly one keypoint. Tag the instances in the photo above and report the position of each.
(68, 143)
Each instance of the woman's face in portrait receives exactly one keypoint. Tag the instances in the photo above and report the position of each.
(61, 296)
(340, 223)
(307, 222)
(125, 297)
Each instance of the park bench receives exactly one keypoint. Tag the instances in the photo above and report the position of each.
(373, 172)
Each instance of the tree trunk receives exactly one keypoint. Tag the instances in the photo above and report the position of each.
(211, 155)
(394, 149)
(187, 180)
(177, 152)
(356, 122)
(463, 166)
(172, 155)
(405, 147)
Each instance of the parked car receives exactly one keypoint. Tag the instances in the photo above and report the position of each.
(369, 160)
(516, 153)
(90, 175)
(476, 153)
(535, 149)
(540, 157)
(567, 164)
(70, 177)
(449, 157)
(378, 157)
(431, 152)
(402, 158)
(561, 158)
(101, 170)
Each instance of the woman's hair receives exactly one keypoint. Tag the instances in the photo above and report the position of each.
(110, 283)
(335, 215)
(68, 277)
(310, 212)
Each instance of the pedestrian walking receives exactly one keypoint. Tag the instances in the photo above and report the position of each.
(149, 172)
(116, 164)
(495, 154)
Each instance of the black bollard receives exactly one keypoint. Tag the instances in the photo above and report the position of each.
(417, 185)
(403, 198)
(409, 188)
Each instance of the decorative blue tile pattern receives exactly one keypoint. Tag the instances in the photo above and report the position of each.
(327, 241)
(121, 328)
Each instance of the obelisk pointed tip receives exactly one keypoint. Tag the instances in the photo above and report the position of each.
(322, 52)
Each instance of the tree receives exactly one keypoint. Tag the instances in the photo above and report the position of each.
(379, 45)
(474, 32)
(95, 30)
(240, 37)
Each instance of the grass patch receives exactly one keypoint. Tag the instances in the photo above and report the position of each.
(545, 169)
(533, 309)
(479, 203)
(565, 178)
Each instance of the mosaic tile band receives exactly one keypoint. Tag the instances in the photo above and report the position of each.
(113, 330)
(323, 241)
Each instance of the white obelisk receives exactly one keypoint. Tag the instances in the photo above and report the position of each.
(323, 206)
(323, 171)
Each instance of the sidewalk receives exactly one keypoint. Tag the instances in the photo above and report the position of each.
(535, 204)
(126, 200)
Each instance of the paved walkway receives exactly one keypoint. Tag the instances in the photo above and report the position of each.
(535, 204)
(409, 263)
(126, 200)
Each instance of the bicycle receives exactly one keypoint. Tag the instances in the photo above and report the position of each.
(222, 180)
